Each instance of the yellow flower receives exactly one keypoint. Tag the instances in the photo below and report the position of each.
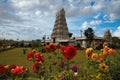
(103, 67)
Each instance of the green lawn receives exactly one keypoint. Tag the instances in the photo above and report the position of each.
(14, 56)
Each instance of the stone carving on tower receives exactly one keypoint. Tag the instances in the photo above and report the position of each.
(60, 30)
(108, 36)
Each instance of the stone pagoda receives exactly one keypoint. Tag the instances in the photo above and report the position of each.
(108, 36)
(60, 31)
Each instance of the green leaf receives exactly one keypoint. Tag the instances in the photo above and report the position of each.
(54, 63)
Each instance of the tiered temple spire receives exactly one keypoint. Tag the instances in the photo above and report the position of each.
(107, 35)
(60, 30)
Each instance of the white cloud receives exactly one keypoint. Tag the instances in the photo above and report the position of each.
(38, 13)
(85, 25)
(97, 16)
(95, 22)
(25, 5)
(91, 24)
(117, 32)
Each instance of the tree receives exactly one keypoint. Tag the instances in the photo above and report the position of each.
(89, 34)
(115, 42)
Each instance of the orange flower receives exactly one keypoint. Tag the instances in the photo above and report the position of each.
(105, 44)
(94, 56)
(106, 48)
(101, 50)
(100, 60)
(111, 51)
(95, 44)
(89, 52)
(105, 53)
(103, 67)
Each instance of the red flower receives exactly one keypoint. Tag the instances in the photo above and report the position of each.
(39, 57)
(63, 49)
(30, 55)
(50, 48)
(47, 48)
(36, 67)
(18, 70)
(53, 47)
(3, 69)
(69, 52)
(12, 67)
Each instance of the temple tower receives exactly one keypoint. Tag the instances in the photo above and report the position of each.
(60, 30)
(108, 36)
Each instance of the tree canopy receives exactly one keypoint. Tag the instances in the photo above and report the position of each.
(89, 34)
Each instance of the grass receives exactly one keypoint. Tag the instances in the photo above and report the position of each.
(14, 56)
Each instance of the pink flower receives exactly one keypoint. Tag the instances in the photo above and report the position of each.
(64, 68)
(74, 68)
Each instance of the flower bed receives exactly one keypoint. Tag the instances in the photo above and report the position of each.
(104, 65)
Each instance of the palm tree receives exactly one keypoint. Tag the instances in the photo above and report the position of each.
(89, 34)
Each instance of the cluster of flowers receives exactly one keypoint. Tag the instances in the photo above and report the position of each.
(12, 69)
(100, 58)
(68, 53)
(37, 58)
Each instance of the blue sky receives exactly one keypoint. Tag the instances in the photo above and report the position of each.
(32, 19)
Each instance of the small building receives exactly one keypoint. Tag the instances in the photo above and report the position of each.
(82, 41)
